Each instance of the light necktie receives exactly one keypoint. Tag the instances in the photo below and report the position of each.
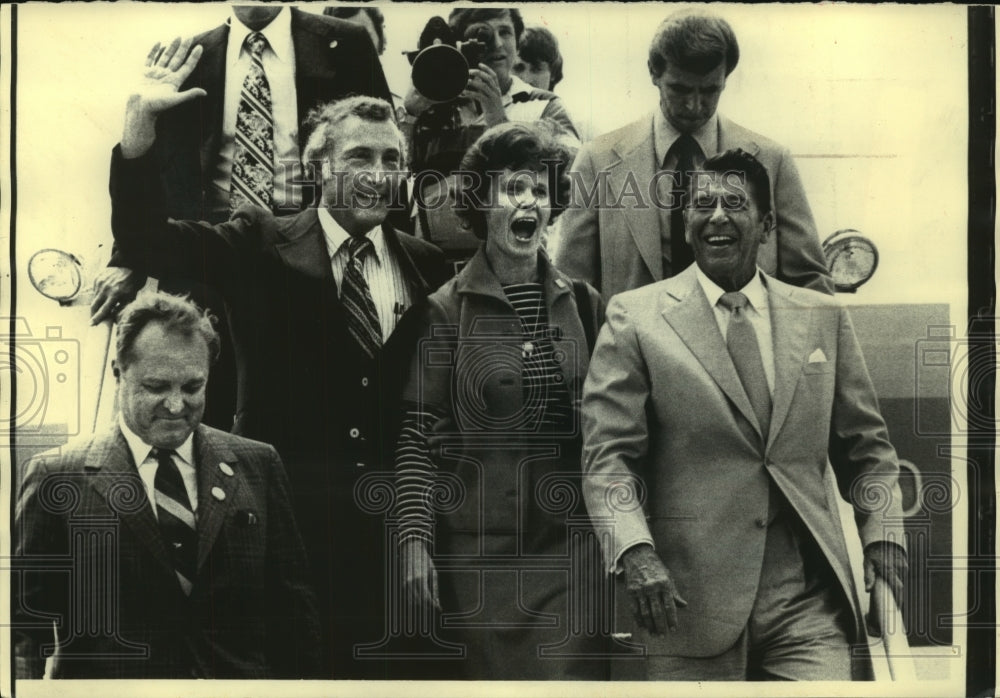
(176, 518)
(253, 158)
(362, 318)
(741, 341)
(685, 148)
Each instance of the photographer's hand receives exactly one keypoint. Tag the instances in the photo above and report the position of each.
(167, 67)
(484, 89)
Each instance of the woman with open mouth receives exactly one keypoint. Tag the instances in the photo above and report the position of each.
(497, 553)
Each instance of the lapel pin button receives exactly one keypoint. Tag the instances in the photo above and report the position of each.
(333, 44)
(224, 467)
(218, 493)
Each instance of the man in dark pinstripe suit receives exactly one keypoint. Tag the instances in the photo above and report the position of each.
(307, 385)
(185, 559)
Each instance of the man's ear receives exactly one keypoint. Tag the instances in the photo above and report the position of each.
(767, 226)
(117, 372)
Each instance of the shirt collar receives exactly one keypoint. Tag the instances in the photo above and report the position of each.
(141, 450)
(754, 290)
(336, 236)
(664, 135)
(278, 33)
(517, 86)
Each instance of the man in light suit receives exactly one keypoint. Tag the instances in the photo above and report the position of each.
(185, 559)
(309, 60)
(707, 433)
(618, 233)
(307, 383)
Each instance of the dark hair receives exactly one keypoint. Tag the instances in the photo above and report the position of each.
(511, 146)
(377, 18)
(323, 121)
(694, 41)
(539, 44)
(461, 18)
(177, 314)
(748, 167)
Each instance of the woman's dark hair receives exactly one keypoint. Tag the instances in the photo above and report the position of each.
(539, 44)
(511, 146)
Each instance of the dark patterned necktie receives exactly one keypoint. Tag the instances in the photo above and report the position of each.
(741, 341)
(685, 149)
(362, 318)
(177, 522)
(253, 158)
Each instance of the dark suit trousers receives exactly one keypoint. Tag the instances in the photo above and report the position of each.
(798, 627)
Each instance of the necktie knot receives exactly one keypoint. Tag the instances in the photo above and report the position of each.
(162, 454)
(256, 43)
(734, 301)
(359, 247)
(685, 148)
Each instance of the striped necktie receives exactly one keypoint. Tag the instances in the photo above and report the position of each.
(177, 523)
(741, 340)
(253, 158)
(362, 318)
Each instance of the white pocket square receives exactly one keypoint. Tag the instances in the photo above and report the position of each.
(817, 357)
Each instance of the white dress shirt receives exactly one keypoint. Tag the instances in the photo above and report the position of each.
(279, 67)
(758, 312)
(381, 270)
(147, 465)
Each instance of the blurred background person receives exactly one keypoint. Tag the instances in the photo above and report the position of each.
(539, 62)
(513, 440)
(261, 72)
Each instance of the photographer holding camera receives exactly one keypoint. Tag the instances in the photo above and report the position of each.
(492, 93)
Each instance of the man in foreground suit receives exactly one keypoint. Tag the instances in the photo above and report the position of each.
(317, 304)
(186, 559)
(307, 60)
(623, 228)
(721, 422)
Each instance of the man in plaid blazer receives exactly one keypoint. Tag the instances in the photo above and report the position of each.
(163, 548)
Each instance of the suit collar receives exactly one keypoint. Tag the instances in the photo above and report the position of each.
(216, 487)
(790, 322)
(304, 248)
(685, 307)
(278, 33)
(732, 135)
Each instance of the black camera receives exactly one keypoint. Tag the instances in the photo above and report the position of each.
(440, 65)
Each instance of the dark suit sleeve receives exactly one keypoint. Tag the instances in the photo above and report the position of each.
(294, 640)
(164, 247)
(578, 250)
(38, 531)
(863, 460)
(801, 261)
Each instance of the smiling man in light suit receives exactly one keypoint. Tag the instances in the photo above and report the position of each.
(623, 228)
(715, 398)
(186, 558)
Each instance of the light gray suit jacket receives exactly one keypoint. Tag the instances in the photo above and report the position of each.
(667, 423)
(618, 247)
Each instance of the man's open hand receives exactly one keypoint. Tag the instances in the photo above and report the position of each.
(167, 67)
(648, 583)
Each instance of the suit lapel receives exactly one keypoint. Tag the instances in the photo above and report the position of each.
(399, 243)
(694, 322)
(790, 323)
(216, 489)
(305, 247)
(211, 76)
(637, 164)
(109, 462)
(732, 135)
(314, 66)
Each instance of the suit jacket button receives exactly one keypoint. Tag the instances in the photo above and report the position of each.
(359, 465)
(364, 382)
(761, 522)
(354, 432)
